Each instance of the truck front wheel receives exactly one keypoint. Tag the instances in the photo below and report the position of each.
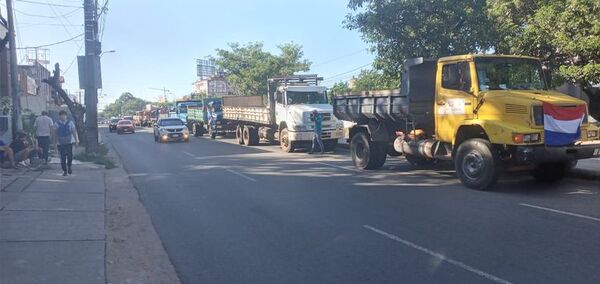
(477, 164)
(284, 141)
(551, 172)
(367, 155)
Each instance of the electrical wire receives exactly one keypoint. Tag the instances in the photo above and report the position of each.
(63, 24)
(54, 43)
(68, 14)
(55, 5)
(340, 57)
(347, 72)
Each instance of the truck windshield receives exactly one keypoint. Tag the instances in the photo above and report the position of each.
(509, 74)
(183, 108)
(296, 98)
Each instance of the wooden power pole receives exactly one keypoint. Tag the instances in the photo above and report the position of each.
(16, 123)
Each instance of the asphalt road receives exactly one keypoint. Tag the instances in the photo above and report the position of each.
(233, 214)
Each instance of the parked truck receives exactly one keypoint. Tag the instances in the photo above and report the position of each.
(283, 115)
(197, 114)
(486, 113)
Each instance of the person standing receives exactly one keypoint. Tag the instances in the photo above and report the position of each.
(317, 139)
(43, 127)
(66, 136)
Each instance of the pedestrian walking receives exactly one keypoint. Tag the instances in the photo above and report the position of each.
(43, 128)
(317, 139)
(66, 136)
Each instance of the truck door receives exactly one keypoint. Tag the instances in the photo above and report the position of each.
(454, 98)
(280, 107)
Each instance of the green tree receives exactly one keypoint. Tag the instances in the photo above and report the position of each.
(126, 104)
(374, 80)
(564, 33)
(400, 29)
(247, 67)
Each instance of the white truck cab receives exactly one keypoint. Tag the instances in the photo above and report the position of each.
(294, 103)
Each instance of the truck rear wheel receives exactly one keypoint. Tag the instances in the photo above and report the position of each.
(198, 130)
(551, 172)
(250, 136)
(367, 155)
(284, 141)
(239, 134)
(477, 164)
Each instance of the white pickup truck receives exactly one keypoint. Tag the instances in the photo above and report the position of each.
(285, 116)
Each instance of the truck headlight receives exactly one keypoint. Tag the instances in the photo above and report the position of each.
(592, 133)
(526, 138)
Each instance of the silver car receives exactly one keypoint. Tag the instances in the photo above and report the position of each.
(171, 129)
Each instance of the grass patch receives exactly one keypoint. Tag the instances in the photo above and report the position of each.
(100, 158)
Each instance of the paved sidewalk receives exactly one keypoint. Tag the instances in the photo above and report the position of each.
(52, 228)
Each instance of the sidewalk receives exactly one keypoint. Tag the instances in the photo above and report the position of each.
(89, 227)
(52, 227)
(587, 169)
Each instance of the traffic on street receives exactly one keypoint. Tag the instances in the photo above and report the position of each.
(230, 213)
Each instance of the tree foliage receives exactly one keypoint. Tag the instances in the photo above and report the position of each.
(400, 29)
(247, 67)
(563, 33)
(126, 104)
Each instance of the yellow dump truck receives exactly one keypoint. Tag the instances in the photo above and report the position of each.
(486, 113)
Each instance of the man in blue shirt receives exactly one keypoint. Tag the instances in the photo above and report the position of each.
(317, 139)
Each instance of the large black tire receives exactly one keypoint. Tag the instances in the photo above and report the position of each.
(477, 164)
(551, 172)
(250, 135)
(366, 154)
(239, 134)
(284, 141)
(329, 145)
(198, 130)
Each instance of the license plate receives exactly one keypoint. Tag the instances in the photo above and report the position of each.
(175, 135)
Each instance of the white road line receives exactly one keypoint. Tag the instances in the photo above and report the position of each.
(241, 175)
(189, 154)
(338, 167)
(439, 256)
(561, 212)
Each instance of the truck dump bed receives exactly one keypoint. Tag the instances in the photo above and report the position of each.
(413, 103)
(246, 108)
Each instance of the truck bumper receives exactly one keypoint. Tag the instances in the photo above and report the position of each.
(542, 154)
(308, 135)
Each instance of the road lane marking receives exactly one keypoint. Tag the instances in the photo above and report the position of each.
(561, 212)
(241, 175)
(338, 167)
(439, 256)
(189, 154)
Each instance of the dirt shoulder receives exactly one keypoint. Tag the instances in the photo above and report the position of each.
(134, 252)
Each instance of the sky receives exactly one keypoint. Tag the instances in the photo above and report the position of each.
(156, 42)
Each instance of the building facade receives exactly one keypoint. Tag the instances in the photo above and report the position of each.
(213, 87)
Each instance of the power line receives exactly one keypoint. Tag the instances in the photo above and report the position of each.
(68, 14)
(55, 5)
(347, 72)
(54, 43)
(63, 24)
(340, 57)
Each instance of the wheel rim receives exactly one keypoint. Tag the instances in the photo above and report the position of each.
(284, 140)
(361, 151)
(473, 165)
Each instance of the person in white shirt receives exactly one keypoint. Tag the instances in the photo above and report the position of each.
(43, 127)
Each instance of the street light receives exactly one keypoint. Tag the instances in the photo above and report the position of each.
(108, 51)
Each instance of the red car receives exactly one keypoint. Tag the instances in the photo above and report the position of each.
(124, 126)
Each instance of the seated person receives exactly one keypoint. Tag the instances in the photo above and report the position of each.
(7, 156)
(23, 148)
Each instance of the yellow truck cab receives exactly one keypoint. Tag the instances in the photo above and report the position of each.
(486, 113)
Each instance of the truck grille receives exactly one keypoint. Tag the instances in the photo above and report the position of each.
(515, 109)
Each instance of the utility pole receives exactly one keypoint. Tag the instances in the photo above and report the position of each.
(92, 65)
(16, 124)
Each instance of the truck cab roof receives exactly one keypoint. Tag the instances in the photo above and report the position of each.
(473, 56)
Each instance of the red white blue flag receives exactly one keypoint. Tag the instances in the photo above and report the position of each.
(562, 125)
